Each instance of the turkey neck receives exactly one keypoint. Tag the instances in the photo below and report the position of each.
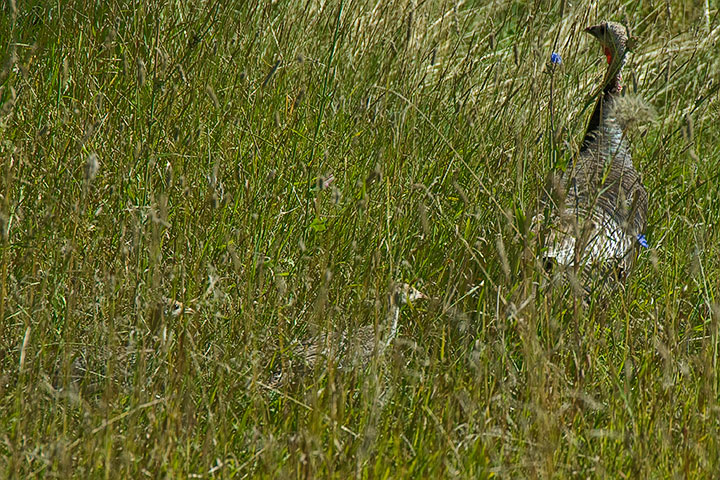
(611, 89)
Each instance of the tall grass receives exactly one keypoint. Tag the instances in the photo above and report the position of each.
(277, 166)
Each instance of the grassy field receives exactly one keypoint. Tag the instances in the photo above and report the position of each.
(277, 167)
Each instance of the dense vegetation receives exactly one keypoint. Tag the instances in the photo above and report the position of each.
(277, 166)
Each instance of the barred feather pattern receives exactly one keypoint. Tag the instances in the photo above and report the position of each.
(605, 205)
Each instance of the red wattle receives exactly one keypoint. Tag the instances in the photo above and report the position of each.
(608, 54)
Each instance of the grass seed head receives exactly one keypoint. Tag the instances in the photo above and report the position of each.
(92, 166)
(141, 72)
(633, 111)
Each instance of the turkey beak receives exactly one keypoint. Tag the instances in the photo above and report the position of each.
(415, 295)
(594, 31)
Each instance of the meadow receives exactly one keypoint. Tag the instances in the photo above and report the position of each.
(277, 167)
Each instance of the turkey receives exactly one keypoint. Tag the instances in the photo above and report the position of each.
(598, 211)
(355, 348)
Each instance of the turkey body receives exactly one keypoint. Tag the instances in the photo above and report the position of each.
(599, 213)
(350, 349)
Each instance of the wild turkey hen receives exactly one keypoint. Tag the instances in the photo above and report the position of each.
(353, 348)
(599, 217)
